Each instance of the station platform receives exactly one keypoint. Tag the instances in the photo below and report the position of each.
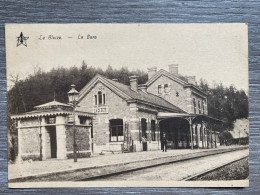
(97, 166)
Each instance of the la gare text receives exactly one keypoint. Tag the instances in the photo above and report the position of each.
(58, 37)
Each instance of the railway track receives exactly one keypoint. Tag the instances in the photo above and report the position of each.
(112, 170)
(131, 173)
(191, 178)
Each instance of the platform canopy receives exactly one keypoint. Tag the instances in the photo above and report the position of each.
(166, 115)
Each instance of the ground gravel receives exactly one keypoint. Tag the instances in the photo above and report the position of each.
(234, 171)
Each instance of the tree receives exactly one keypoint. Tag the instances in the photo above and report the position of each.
(225, 138)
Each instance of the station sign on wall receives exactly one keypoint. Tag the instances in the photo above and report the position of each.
(100, 109)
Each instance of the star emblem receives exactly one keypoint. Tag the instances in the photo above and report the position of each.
(21, 40)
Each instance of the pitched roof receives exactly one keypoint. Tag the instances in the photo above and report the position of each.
(130, 95)
(53, 104)
(176, 78)
(51, 109)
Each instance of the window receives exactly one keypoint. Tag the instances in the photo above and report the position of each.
(203, 107)
(144, 127)
(51, 120)
(82, 120)
(104, 99)
(166, 88)
(153, 129)
(95, 100)
(100, 98)
(199, 106)
(159, 89)
(116, 130)
(194, 105)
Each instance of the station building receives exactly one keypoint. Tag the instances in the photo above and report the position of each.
(112, 116)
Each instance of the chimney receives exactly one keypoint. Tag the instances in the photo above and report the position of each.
(151, 72)
(173, 69)
(191, 80)
(143, 88)
(115, 80)
(133, 82)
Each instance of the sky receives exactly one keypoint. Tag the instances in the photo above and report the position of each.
(214, 52)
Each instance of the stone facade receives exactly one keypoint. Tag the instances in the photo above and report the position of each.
(118, 108)
(48, 133)
(82, 141)
(179, 94)
(184, 94)
(35, 136)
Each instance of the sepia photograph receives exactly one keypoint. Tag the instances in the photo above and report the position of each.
(127, 105)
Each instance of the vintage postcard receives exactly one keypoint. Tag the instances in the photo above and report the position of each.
(127, 105)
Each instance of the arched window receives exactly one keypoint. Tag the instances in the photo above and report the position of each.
(95, 100)
(104, 98)
(116, 130)
(99, 98)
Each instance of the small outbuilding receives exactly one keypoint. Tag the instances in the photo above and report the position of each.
(47, 132)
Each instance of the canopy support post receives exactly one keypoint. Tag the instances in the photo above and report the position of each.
(190, 119)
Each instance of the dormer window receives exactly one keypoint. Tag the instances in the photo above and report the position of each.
(100, 99)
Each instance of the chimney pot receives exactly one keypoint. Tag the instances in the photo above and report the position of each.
(151, 71)
(173, 69)
(143, 88)
(133, 82)
(191, 80)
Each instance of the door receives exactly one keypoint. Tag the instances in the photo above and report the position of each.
(53, 143)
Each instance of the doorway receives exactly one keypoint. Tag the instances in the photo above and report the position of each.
(51, 142)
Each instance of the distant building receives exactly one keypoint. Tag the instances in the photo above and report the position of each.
(116, 117)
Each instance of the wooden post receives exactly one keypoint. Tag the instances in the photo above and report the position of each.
(191, 133)
(190, 119)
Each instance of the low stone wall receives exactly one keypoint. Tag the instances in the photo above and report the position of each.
(33, 157)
